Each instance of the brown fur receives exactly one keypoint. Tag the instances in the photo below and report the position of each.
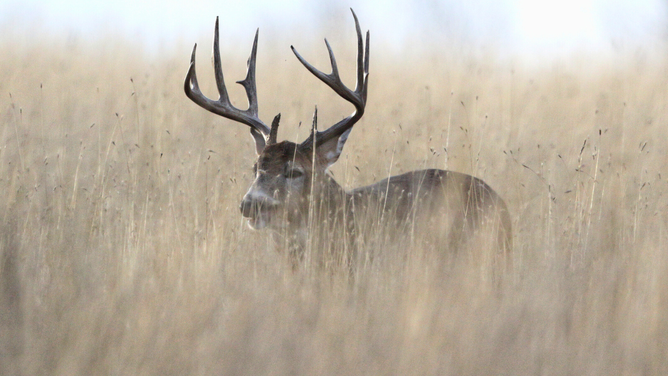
(318, 218)
(314, 217)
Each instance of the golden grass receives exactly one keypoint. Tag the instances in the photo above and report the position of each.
(122, 250)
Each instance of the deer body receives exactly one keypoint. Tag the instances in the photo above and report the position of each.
(439, 209)
(295, 197)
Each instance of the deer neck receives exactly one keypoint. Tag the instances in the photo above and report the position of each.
(328, 199)
(326, 215)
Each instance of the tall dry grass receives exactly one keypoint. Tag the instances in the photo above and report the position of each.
(123, 250)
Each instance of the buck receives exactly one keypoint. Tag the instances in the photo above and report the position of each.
(294, 195)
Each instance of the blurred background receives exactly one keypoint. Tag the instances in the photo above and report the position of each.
(532, 30)
(123, 252)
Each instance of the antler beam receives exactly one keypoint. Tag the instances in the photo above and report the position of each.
(223, 106)
(333, 80)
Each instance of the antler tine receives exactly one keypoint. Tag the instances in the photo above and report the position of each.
(249, 82)
(333, 80)
(218, 68)
(362, 58)
(273, 134)
(190, 86)
(365, 76)
(223, 106)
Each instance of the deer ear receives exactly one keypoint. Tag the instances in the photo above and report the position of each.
(259, 140)
(330, 151)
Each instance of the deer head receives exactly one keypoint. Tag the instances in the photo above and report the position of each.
(288, 176)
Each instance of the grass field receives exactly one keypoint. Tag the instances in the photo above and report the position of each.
(123, 252)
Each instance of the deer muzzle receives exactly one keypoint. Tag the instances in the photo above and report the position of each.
(258, 209)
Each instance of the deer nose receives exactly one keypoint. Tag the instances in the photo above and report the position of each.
(254, 202)
(248, 207)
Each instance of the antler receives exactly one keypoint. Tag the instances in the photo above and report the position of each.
(223, 106)
(333, 80)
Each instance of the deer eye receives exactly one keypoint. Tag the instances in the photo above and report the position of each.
(293, 173)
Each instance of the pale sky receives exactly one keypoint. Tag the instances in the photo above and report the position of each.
(523, 27)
